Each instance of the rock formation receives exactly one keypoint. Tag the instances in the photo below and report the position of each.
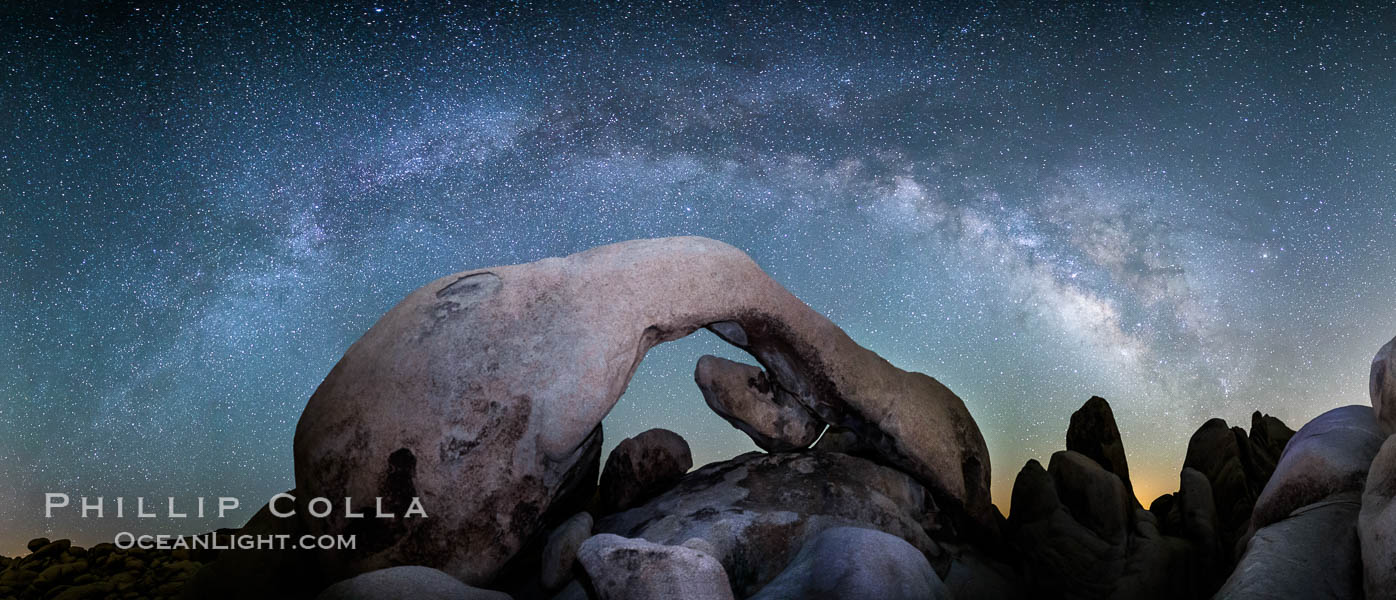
(417, 583)
(773, 418)
(629, 569)
(1382, 386)
(1376, 524)
(851, 562)
(641, 467)
(481, 393)
(756, 511)
(1094, 434)
(1309, 509)
(1077, 532)
(1327, 456)
(560, 552)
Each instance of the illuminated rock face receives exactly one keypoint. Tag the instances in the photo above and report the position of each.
(482, 394)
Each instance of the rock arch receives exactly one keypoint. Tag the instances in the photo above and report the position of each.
(492, 384)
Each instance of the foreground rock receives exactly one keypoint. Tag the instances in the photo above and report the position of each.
(481, 393)
(773, 418)
(1311, 554)
(417, 583)
(854, 563)
(1329, 455)
(758, 510)
(630, 569)
(1305, 543)
(1376, 524)
(1383, 386)
(641, 467)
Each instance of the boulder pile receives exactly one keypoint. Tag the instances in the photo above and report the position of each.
(56, 569)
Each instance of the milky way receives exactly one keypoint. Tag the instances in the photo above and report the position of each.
(1187, 211)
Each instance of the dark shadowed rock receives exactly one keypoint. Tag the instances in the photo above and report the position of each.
(417, 583)
(1329, 455)
(853, 563)
(749, 400)
(1222, 454)
(1093, 433)
(1311, 554)
(757, 510)
(1382, 386)
(1094, 496)
(560, 552)
(260, 573)
(641, 467)
(1059, 553)
(633, 569)
(1197, 513)
(1268, 436)
(480, 393)
(1376, 524)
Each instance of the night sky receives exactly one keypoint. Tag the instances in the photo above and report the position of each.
(1188, 211)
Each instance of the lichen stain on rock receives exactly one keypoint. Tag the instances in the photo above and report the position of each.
(464, 293)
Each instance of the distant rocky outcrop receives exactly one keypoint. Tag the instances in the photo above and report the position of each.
(1093, 433)
(1236, 465)
(1078, 532)
(58, 569)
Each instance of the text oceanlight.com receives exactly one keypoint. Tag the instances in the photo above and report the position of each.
(209, 541)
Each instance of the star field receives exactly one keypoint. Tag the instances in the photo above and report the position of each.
(1188, 211)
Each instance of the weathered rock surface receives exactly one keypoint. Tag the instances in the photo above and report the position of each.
(1382, 386)
(1329, 455)
(854, 563)
(743, 395)
(1376, 524)
(757, 510)
(1311, 554)
(481, 394)
(641, 467)
(1093, 433)
(560, 553)
(415, 582)
(632, 569)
